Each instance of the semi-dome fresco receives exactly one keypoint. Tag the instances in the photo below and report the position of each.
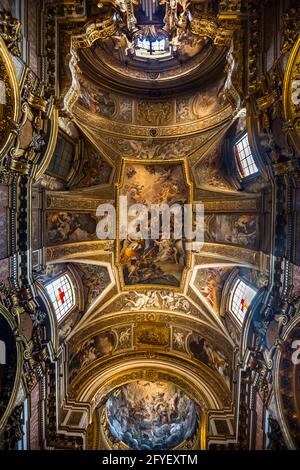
(150, 226)
(151, 415)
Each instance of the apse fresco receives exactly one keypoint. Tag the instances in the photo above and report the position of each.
(161, 261)
(205, 352)
(87, 352)
(151, 415)
(210, 282)
(236, 229)
(63, 227)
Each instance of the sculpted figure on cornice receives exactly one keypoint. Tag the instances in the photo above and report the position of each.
(158, 300)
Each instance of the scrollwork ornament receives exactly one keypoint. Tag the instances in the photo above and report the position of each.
(10, 31)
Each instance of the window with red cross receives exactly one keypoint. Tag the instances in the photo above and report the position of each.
(62, 296)
(241, 298)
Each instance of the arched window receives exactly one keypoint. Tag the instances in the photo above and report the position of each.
(62, 296)
(241, 298)
(244, 157)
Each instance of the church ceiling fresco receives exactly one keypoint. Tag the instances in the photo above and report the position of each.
(151, 416)
(205, 352)
(70, 227)
(90, 350)
(236, 229)
(146, 145)
(96, 101)
(94, 280)
(151, 149)
(163, 346)
(94, 169)
(210, 283)
(205, 101)
(161, 261)
(209, 170)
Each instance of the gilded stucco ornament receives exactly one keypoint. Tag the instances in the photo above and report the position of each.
(13, 363)
(29, 130)
(10, 31)
(221, 36)
(100, 30)
(291, 97)
(9, 99)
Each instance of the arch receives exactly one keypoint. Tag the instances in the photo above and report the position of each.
(10, 330)
(286, 385)
(290, 91)
(10, 80)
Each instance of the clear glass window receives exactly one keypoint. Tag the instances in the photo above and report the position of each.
(244, 157)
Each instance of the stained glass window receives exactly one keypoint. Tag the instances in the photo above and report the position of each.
(61, 293)
(241, 299)
(244, 157)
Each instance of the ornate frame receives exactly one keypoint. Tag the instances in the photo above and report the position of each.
(9, 76)
(180, 161)
(11, 321)
(291, 111)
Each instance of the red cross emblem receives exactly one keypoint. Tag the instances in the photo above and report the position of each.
(61, 296)
(244, 305)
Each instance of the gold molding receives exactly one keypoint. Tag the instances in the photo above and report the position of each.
(189, 185)
(202, 387)
(93, 32)
(51, 143)
(134, 131)
(291, 110)
(9, 76)
(8, 317)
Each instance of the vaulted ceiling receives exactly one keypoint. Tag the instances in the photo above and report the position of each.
(149, 100)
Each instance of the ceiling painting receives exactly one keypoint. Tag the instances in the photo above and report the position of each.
(151, 415)
(139, 339)
(158, 261)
